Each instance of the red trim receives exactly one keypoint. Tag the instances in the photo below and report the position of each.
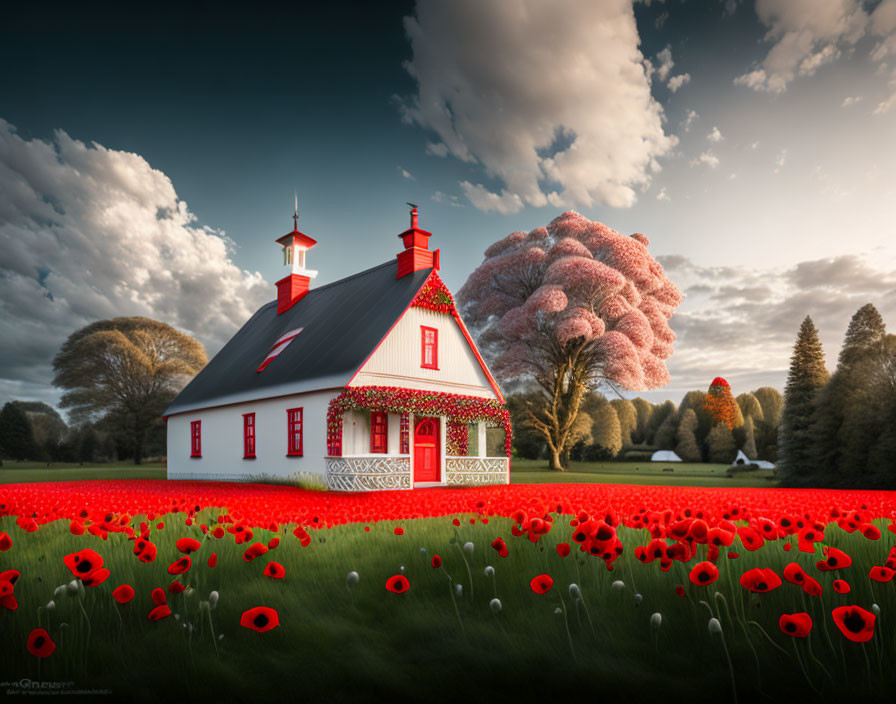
(298, 238)
(379, 432)
(196, 438)
(248, 436)
(491, 379)
(435, 348)
(294, 427)
(388, 332)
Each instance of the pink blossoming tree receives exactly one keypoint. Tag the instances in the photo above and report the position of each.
(569, 307)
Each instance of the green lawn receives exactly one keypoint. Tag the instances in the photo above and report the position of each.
(522, 472)
(23, 472)
(682, 474)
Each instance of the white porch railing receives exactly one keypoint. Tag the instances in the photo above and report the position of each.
(475, 470)
(368, 472)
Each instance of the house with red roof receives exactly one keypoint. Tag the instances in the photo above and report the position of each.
(371, 382)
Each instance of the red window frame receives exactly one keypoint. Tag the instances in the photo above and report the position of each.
(248, 436)
(432, 346)
(379, 432)
(294, 432)
(196, 438)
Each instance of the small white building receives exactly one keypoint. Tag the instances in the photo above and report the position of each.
(370, 382)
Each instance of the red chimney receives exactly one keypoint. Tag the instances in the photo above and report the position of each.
(416, 254)
(292, 287)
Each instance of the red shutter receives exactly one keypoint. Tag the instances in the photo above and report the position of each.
(248, 436)
(379, 430)
(429, 347)
(294, 430)
(196, 438)
(405, 442)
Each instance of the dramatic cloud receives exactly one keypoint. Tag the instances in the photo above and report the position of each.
(553, 100)
(808, 34)
(741, 323)
(89, 233)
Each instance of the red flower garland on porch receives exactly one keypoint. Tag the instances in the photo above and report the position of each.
(393, 399)
(434, 296)
(457, 441)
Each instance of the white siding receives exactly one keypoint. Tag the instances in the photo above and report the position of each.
(222, 439)
(396, 361)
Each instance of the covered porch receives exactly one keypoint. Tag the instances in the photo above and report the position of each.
(384, 444)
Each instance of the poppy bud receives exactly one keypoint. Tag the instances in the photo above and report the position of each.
(638, 599)
(574, 591)
(468, 548)
(618, 585)
(715, 628)
(72, 588)
(876, 609)
(495, 605)
(459, 588)
(656, 621)
(489, 571)
(60, 591)
(351, 579)
(213, 599)
(51, 605)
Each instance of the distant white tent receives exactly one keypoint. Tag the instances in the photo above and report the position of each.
(743, 459)
(665, 456)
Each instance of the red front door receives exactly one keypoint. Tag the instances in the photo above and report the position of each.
(426, 450)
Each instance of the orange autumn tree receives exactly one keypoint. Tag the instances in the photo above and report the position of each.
(721, 406)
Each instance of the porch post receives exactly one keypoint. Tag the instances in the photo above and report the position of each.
(480, 438)
(443, 446)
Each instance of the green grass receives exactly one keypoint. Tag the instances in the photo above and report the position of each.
(364, 644)
(683, 474)
(13, 472)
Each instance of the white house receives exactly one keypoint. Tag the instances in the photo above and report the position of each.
(370, 382)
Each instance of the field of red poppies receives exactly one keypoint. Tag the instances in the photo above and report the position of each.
(224, 592)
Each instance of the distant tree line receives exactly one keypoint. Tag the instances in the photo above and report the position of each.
(707, 426)
(839, 430)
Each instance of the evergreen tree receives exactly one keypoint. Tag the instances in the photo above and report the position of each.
(16, 434)
(628, 418)
(644, 409)
(665, 434)
(806, 378)
(749, 445)
(607, 431)
(687, 447)
(657, 418)
(720, 444)
(842, 396)
(749, 406)
(697, 400)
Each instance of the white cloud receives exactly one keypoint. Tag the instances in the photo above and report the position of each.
(451, 200)
(662, 195)
(436, 149)
(755, 145)
(407, 174)
(850, 100)
(499, 88)
(715, 135)
(89, 233)
(807, 34)
(890, 102)
(665, 63)
(689, 120)
(780, 160)
(707, 158)
(678, 81)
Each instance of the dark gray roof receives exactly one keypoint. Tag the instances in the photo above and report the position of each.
(342, 323)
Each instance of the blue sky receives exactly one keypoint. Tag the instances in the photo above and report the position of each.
(148, 161)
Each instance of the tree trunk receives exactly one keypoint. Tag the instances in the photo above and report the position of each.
(555, 464)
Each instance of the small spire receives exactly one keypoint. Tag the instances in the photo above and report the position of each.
(295, 217)
(413, 214)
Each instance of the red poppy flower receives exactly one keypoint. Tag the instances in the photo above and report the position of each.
(841, 587)
(5, 542)
(218, 532)
(750, 537)
(760, 580)
(254, 550)
(96, 577)
(180, 566)
(176, 587)
(796, 625)
(158, 596)
(260, 619)
(787, 547)
(188, 545)
(273, 542)
(500, 546)
(563, 549)
(145, 550)
(881, 574)
(854, 622)
(542, 584)
(274, 570)
(213, 560)
(794, 574)
(436, 561)
(733, 555)
(123, 593)
(704, 573)
(871, 531)
(455, 522)
(398, 584)
(83, 562)
(159, 612)
(398, 530)
(811, 586)
(835, 560)
(40, 644)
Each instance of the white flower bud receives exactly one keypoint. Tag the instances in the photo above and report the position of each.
(638, 599)
(558, 611)
(574, 591)
(60, 591)
(459, 588)
(468, 548)
(213, 599)
(495, 605)
(51, 605)
(656, 621)
(489, 571)
(876, 609)
(715, 628)
(72, 588)
(618, 585)
(351, 579)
